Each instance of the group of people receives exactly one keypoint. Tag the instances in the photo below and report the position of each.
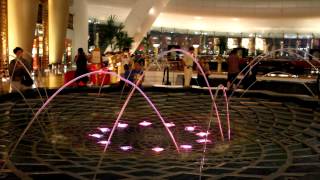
(128, 67)
(234, 63)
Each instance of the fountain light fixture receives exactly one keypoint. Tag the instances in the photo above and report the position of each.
(171, 124)
(156, 45)
(203, 141)
(96, 135)
(122, 125)
(190, 128)
(126, 148)
(145, 123)
(186, 146)
(196, 46)
(157, 149)
(104, 130)
(202, 134)
(104, 142)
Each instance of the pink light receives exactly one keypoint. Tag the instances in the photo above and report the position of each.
(171, 124)
(157, 149)
(145, 123)
(126, 148)
(96, 135)
(190, 128)
(122, 125)
(186, 146)
(203, 141)
(202, 134)
(104, 142)
(104, 130)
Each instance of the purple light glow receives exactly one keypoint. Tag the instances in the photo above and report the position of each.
(203, 141)
(96, 135)
(104, 142)
(104, 130)
(145, 123)
(186, 147)
(190, 128)
(126, 148)
(202, 134)
(171, 124)
(122, 125)
(157, 149)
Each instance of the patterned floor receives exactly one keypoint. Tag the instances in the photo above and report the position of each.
(269, 140)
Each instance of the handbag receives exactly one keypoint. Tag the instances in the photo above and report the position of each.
(26, 79)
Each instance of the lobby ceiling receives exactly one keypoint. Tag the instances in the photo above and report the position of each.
(224, 15)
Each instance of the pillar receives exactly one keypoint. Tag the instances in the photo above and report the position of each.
(142, 17)
(80, 26)
(58, 19)
(252, 46)
(22, 19)
(216, 45)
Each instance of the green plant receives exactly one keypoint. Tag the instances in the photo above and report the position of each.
(123, 40)
(111, 34)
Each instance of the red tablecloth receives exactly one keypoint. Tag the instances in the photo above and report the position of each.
(96, 79)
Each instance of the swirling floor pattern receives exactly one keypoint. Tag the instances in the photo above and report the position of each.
(269, 139)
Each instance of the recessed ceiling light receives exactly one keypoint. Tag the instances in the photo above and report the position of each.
(235, 19)
(152, 11)
(198, 17)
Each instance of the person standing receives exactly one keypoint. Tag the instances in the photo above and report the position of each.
(188, 67)
(233, 68)
(18, 71)
(206, 69)
(81, 62)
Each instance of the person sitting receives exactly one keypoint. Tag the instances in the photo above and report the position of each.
(136, 73)
(18, 70)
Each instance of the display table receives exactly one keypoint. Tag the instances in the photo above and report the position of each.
(95, 79)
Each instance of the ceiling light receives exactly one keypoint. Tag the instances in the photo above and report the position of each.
(156, 45)
(198, 17)
(196, 46)
(152, 11)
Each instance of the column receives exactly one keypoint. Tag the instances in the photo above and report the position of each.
(141, 18)
(58, 18)
(80, 25)
(252, 46)
(22, 19)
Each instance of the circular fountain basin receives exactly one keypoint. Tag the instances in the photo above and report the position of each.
(271, 137)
